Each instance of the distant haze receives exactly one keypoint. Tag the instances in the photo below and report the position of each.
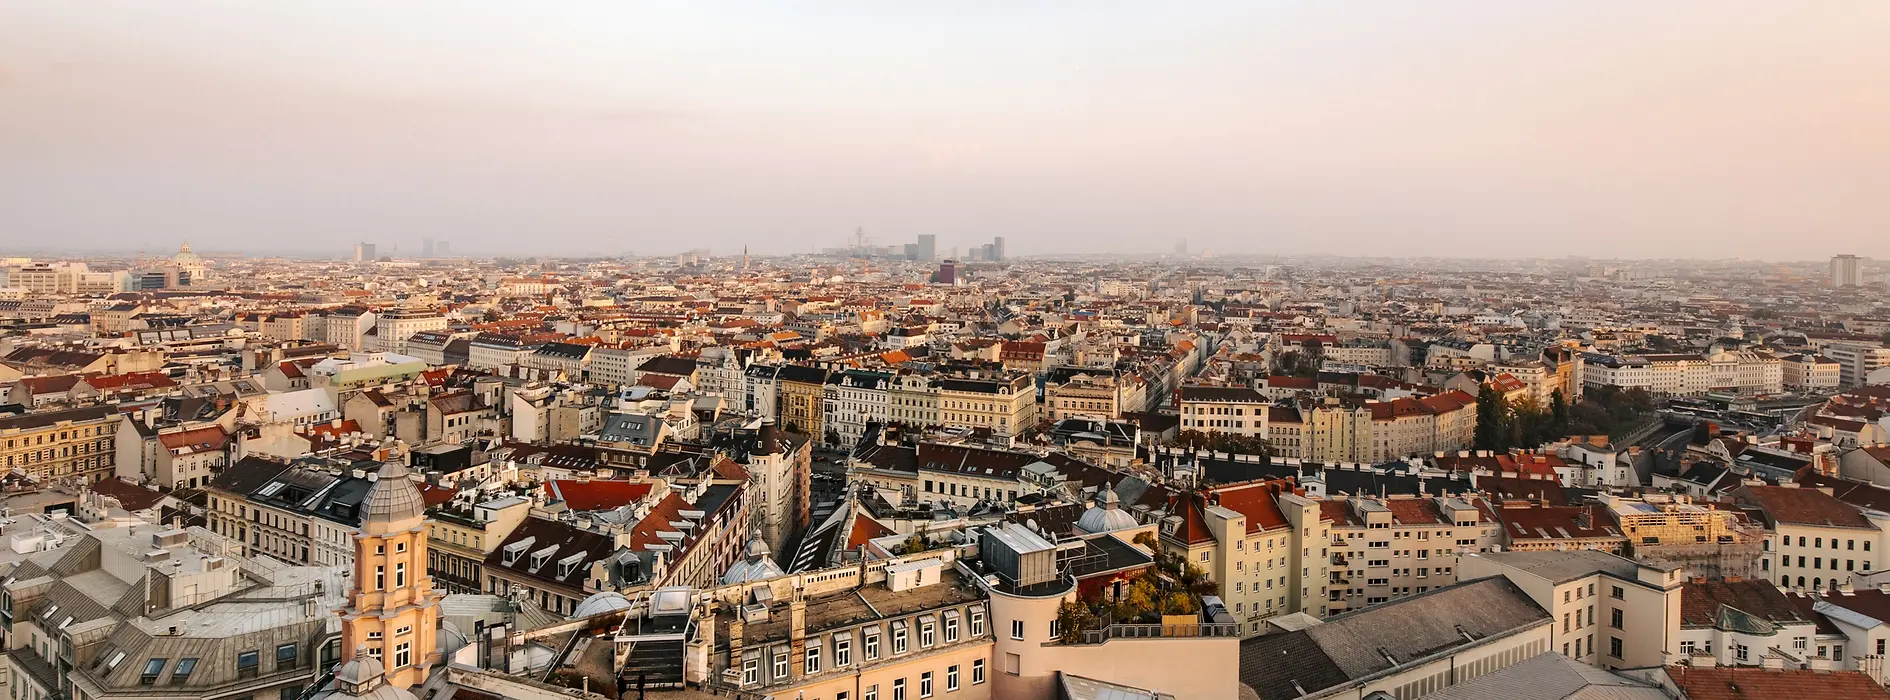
(1605, 128)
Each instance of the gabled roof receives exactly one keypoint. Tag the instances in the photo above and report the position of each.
(596, 494)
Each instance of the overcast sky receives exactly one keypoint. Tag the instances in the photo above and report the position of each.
(1596, 127)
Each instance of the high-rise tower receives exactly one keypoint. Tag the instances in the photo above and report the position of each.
(393, 612)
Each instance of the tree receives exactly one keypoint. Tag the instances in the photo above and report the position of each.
(1231, 443)
(1073, 616)
(1558, 412)
(1490, 415)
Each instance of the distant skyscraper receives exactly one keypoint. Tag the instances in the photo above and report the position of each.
(426, 247)
(364, 252)
(443, 249)
(1181, 247)
(998, 245)
(1845, 272)
(928, 247)
(947, 273)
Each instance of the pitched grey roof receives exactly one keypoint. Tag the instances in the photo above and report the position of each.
(1551, 676)
(1378, 639)
(1557, 567)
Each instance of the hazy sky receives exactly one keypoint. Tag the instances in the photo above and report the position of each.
(1597, 127)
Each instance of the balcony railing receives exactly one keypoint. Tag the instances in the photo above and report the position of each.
(1157, 631)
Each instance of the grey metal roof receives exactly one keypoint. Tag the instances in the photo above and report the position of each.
(1382, 638)
(1565, 566)
(1551, 676)
(393, 497)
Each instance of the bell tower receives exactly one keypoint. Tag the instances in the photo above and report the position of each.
(393, 612)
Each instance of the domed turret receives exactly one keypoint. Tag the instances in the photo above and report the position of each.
(363, 677)
(1107, 515)
(757, 565)
(393, 497)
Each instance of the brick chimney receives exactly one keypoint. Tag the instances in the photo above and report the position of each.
(797, 635)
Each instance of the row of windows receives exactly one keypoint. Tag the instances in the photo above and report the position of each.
(842, 652)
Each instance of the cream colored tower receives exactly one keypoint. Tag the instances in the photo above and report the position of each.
(393, 612)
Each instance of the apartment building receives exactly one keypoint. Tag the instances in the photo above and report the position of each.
(1383, 549)
(853, 399)
(1811, 373)
(1078, 393)
(307, 513)
(1223, 409)
(1331, 430)
(1606, 611)
(1814, 541)
(919, 631)
(1746, 372)
(102, 618)
(75, 443)
(912, 399)
(1405, 649)
(393, 327)
(460, 538)
(802, 395)
(1267, 547)
(1005, 404)
(1856, 361)
(346, 327)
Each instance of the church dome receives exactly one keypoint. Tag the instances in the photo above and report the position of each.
(1107, 515)
(393, 497)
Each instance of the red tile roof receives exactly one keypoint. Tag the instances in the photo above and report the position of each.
(1257, 502)
(199, 440)
(1730, 683)
(597, 494)
(1805, 506)
(435, 494)
(865, 528)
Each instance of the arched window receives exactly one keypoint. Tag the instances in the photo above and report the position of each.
(1801, 582)
(1784, 582)
(1817, 583)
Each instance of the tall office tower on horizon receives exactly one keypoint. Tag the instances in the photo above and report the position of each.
(997, 245)
(364, 252)
(928, 247)
(1181, 247)
(443, 249)
(1845, 271)
(426, 247)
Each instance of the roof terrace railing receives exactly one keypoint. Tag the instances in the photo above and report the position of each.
(1159, 631)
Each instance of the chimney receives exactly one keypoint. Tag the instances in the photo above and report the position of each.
(797, 635)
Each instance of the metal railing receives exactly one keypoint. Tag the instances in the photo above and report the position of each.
(1159, 631)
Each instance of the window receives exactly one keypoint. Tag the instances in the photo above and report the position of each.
(152, 668)
(285, 656)
(927, 637)
(872, 646)
(871, 693)
(403, 654)
(400, 575)
(899, 689)
(1614, 619)
(1618, 593)
(1614, 647)
(951, 678)
(1740, 652)
(977, 623)
(751, 671)
(1686, 648)
(925, 684)
(400, 546)
(247, 663)
(1017, 629)
(977, 669)
(899, 641)
(380, 578)
(813, 659)
(780, 664)
(951, 630)
(842, 652)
